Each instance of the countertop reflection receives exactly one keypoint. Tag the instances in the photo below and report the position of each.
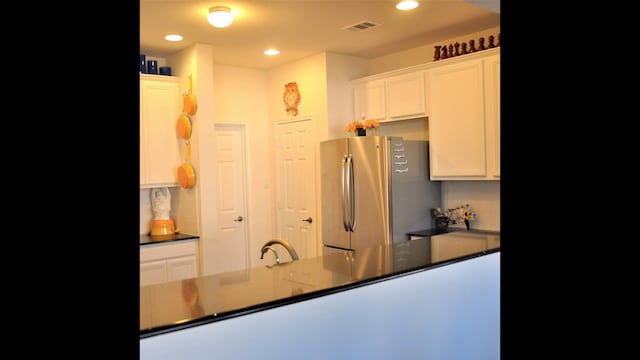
(180, 304)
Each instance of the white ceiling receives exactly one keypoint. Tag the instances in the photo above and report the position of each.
(301, 28)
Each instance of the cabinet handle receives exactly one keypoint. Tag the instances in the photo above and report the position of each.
(239, 218)
(309, 220)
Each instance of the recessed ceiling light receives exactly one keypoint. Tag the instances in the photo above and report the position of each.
(272, 52)
(173, 37)
(407, 5)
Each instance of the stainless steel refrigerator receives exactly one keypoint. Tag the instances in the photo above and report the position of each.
(375, 189)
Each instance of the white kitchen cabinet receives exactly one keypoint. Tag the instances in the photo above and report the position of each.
(463, 99)
(370, 100)
(153, 272)
(168, 262)
(454, 244)
(492, 113)
(388, 97)
(160, 102)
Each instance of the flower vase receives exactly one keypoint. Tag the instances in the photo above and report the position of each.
(466, 223)
(361, 132)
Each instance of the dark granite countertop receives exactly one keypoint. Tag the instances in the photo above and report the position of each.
(429, 232)
(176, 305)
(148, 239)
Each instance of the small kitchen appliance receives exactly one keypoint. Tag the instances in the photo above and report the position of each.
(441, 220)
(162, 227)
(162, 224)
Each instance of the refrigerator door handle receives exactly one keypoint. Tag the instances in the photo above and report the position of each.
(343, 193)
(351, 194)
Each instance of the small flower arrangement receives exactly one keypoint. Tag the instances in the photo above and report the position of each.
(462, 212)
(362, 124)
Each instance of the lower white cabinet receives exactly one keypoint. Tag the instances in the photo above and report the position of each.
(168, 262)
(453, 244)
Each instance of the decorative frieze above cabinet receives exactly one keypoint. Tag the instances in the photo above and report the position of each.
(160, 102)
(392, 98)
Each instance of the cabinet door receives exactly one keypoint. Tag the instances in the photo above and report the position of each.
(159, 143)
(369, 100)
(182, 268)
(167, 262)
(153, 272)
(492, 113)
(406, 95)
(451, 245)
(456, 121)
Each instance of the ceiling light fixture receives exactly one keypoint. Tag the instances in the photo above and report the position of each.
(220, 16)
(271, 52)
(407, 5)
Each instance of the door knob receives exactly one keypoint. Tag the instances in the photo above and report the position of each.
(239, 218)
(309, 220)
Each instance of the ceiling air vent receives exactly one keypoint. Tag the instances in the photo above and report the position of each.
(362, 25)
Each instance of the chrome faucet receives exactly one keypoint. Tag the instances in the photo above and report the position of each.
(264, 250)
(285, 244)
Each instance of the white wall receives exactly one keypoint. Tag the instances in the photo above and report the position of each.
(450, 312)
(341, 69)
(483, 196)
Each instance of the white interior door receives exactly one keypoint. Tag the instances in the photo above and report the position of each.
(296, 189)
(231, 235)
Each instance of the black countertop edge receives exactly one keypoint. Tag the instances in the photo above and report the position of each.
(303, 297)
(431, 232)
(155, 239)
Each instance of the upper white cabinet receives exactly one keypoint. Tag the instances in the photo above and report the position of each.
(463, 98)
(370, 100)
(390, 97)
(160, 102)
(492, 113)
